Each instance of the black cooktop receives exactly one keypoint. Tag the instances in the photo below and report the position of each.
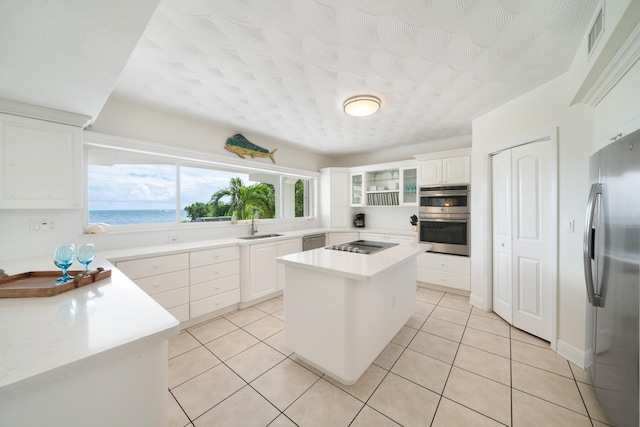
(366, 247)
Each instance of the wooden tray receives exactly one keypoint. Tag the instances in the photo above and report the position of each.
(45, 284)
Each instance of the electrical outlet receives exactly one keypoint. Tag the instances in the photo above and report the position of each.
(568, 225)
(41, 225)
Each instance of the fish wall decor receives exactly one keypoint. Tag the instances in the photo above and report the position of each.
(243, 147)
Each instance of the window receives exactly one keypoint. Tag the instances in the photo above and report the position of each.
(127, 187)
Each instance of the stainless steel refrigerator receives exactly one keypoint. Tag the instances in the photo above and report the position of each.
(612, 273)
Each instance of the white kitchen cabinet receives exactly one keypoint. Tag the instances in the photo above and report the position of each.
(444, 271)
(286, 247)
(430, 171)
(337, 238)
(409, 186)
(385, 184)
(335, 211)
(447, 167)
(189, 284)
(214, 280)
(618, 114)
(260, 275)
(40, 164)
(357, 189)
(165, 278)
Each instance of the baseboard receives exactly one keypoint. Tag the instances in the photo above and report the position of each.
(574, 355)
(442, 288)
(478, 302)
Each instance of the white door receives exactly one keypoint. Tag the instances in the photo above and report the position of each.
(502, 276)
(533, 237)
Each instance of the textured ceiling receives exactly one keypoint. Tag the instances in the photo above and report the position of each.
(67, 55)
(282, 68)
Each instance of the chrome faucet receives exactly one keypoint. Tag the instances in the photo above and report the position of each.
(254, 229)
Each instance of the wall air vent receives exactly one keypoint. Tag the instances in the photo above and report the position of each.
(596, 30)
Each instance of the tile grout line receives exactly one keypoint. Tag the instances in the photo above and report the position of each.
(404, 348)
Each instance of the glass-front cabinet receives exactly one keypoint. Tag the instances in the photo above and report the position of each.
(382, 187)
(356, 189)
(392, 184)
(409, 186)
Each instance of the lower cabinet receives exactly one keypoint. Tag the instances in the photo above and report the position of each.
(443, 270)
(214, 280)
(286, 247)
(189, 284)
(165, 278)
(261, 275)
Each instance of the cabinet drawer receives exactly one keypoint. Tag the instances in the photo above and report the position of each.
(444, 278)
(213, 256)
(216, 302)
(172, 298)
(214, 271)
(180, 312)
(146, 267)
(214, 287)
(163, 282)
(442, 262)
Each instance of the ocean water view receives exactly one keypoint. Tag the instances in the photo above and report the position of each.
(146, 216)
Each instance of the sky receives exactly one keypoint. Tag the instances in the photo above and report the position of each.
(152, 186)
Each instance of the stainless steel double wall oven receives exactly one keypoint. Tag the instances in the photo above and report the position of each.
(445, 218)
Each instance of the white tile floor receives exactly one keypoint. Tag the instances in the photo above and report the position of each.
(451, 365)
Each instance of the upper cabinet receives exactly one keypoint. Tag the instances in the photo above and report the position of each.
(445, 167)
(618, 114)
(389, 184)
(40, 164)
(334, 198)
(357, 198)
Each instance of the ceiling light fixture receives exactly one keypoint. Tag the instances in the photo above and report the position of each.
(361, 105)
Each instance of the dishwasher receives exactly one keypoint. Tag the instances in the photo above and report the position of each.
(313, 241)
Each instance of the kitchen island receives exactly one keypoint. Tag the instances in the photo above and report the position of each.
(343, 308)
(92, 356)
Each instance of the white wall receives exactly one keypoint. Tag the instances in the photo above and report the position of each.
(544, 111)
(406, 152)
(126, 119)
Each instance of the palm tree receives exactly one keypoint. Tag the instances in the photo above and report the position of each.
(243, 199)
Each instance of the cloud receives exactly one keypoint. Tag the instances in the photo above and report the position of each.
(152, 186)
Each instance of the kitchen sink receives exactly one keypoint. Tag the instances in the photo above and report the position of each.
(259, 236)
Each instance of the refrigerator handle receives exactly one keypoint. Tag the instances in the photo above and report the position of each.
(588, 243)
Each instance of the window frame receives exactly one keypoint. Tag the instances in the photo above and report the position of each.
(193, 158)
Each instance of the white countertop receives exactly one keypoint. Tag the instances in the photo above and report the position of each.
(45, 336)
(352, 265)
(125, 254)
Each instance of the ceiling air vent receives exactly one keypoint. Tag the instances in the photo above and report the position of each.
(596, 31)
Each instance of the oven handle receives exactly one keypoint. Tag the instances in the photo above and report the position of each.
(443, 194)
(444, 220)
